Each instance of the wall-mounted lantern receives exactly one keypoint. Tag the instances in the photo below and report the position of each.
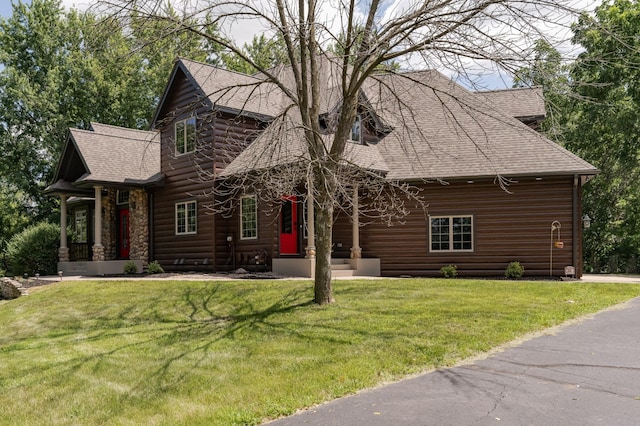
(586, 221)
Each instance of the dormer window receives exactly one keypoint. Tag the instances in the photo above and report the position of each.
(185, 136)
(356, 130)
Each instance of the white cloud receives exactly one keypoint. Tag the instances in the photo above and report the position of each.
(80, 5)
(332, 16)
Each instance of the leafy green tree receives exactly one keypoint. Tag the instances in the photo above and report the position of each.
(265, 52)
(604, 128)
(65, 69)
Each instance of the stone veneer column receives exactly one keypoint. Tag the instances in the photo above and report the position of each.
(98, 248)
(63, 251)
(109, 225)
(139, 225)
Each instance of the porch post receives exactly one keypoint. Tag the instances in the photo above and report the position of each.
(311, 228)
(356, 251)
(98, 248)
(63, 251)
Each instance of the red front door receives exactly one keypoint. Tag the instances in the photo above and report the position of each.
(123, 227)
(289, 225)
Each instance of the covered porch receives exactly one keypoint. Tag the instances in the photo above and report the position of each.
(102, 181)
(107, 231)
(355, 265)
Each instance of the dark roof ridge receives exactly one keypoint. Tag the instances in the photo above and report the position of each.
(117, 136)
(512, 89)
(217, 68)
(121, 128)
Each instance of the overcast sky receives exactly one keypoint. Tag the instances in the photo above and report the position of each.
(244, 31)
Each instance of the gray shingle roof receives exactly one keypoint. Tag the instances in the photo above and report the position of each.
(519, 102)
(118, 155)
(263, 153)
(443, 131)
(440, 131)
(236, 91)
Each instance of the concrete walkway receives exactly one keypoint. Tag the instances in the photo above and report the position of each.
(587, 373)
(592, 278)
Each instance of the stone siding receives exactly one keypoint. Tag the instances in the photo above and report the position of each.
(139, 225)
(109, 225)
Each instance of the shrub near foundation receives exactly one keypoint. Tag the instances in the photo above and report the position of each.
(130, 268)
(34, 250)
(449, 271)
(514, 270)
(154, 268)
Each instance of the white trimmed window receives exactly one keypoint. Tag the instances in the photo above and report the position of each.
(356, 130)
(186, 218)
(185, 136)
(450, 233)
(248, 217)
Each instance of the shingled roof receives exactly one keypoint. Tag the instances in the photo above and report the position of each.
(439, 131)
(227, 90)
(443, 131)
(523, 102)
(108, 155)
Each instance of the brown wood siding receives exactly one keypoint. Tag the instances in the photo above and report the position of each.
(242, 253)
(220, 137)
(507, 227)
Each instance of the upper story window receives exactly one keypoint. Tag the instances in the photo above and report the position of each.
(186, 218)
(185, 135)
(248, 217)
(356, 130)
(450, 233)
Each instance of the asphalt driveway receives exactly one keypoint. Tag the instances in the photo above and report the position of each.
(587, 373)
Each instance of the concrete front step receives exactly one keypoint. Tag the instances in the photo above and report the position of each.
(342, 272)
(341, 268)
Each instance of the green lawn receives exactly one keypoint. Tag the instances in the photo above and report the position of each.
(172, 352)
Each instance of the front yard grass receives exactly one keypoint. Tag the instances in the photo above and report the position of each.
(193, 352)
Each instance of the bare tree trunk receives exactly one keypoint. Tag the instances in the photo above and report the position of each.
(324, 226)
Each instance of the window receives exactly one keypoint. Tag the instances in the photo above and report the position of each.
(356, 130)
(81, 226)
(451, 233)
(185, 136)
(186, 218)
(122, 197)
(248, 217)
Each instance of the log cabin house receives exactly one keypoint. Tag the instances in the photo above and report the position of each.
(497, 190)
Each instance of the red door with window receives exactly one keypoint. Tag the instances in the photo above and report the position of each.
(289, 225)
(123, 243)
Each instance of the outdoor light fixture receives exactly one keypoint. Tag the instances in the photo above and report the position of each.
(586, 221)
(229, 238)
(555, 226)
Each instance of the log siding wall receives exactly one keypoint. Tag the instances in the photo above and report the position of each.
(513, 226)
(189, 177)
(507, 227)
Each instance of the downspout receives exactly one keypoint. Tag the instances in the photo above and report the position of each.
(150, 227)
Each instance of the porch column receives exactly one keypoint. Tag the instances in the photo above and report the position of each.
(63, 251)
(98, 248)
(356, 251)
(311, 228)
